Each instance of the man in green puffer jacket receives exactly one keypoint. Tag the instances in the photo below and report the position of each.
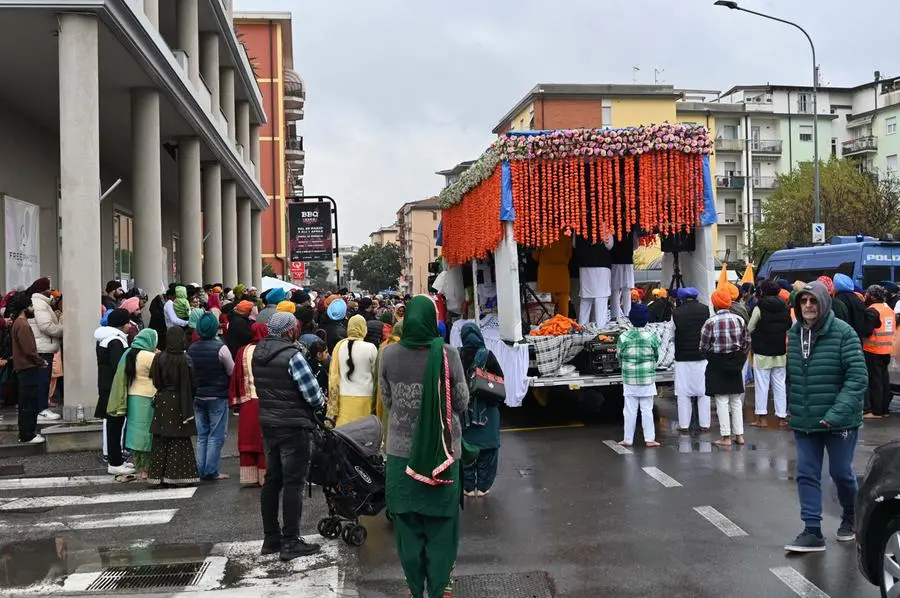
(827, 378)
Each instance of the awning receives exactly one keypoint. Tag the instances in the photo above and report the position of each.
(860, 122)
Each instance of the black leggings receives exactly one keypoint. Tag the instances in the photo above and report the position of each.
(114, 425)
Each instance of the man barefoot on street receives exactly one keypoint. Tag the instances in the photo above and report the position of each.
(288, 397)
(828, 380)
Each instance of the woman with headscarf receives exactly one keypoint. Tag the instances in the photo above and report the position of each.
(132, 396)
(351, 382)
(423, 384)
(243, 396)
(133, 306)
(172, 459)
(379, 409)
(481, 421)
(387, 318)
(214, 305)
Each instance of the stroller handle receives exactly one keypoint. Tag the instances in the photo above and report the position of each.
(322, 420)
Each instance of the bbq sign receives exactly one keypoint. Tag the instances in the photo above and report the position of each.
(310, 232)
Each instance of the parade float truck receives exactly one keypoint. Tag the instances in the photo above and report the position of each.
(531, 189)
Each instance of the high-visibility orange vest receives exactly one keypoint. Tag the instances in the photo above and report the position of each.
(881, 342)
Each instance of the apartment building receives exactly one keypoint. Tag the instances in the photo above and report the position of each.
(417, 224)
(128, 150)
(268, 37)
(384, 235)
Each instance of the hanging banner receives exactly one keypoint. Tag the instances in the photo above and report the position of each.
(310, 233)
(23, 257)
(298, 271)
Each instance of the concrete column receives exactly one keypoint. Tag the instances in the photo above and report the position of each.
(190, 231)
(244, 241)
(229, 233)
(254, 151)
(151, 9)
(146, 189)
(256, 247)
(188, 18)
(212, 222)
(226, 89)
(209, 68)
(242, 126)
(79, 159)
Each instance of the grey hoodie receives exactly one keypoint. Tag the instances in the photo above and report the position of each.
(808, 334)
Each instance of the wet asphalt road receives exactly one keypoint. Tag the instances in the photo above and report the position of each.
(564, 503)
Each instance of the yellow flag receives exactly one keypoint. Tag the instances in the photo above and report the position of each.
(748, 275)
(723, 278)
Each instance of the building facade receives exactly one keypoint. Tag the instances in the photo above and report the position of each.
(384, 235)
(417, 224)
(129, 151)
(268, 38)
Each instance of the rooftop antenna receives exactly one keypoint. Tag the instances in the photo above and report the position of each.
(634, 71)
(656, 74)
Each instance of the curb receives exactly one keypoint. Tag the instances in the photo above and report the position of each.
(22, 450)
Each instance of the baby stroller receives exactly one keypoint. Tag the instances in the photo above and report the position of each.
(348, 465)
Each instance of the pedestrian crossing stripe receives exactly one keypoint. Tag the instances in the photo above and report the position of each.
(68, 500)
(55, 482)
(98, 520)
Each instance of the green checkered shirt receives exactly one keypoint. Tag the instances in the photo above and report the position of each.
(638, 351)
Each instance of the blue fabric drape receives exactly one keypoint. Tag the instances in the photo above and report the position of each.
(708, 216)
(440, 237)
(507, 211)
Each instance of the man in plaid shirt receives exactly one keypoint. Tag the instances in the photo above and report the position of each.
(724, 342)
(638, 352)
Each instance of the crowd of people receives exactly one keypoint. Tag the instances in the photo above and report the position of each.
(283, 363)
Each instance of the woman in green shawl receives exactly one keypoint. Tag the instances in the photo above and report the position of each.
(423, 386)
(181, 303)
(132, 396)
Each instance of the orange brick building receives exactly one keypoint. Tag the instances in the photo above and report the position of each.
(267, 36)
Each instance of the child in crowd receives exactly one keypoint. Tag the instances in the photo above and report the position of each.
(638, 352)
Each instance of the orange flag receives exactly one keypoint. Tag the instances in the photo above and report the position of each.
(748, 275)
(723, 278)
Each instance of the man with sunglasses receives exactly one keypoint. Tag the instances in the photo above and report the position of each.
(828, 381)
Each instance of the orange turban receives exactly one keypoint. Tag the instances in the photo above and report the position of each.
(784, 296)
(733, 291)
(330, 299)
(244, 308)
(721, 299)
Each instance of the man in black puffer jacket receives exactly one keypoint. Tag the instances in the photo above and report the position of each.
(288, 397)
(768, 328)
(690, 364)
(863, 320)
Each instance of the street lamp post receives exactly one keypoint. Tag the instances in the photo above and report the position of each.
(734, 6)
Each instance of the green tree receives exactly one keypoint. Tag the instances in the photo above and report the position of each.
(268, 270)
(377, 267)
(851, 202)
(317, 274)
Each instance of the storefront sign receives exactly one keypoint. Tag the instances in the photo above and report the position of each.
(310, 232)
(23, 257)
(298, 271)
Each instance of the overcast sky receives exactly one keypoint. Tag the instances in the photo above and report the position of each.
(398, 89)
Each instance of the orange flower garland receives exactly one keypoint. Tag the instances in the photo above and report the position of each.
(472, 228)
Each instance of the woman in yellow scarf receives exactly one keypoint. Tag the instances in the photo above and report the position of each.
(351, 378)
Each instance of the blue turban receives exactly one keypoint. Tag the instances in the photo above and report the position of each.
(687, 293)
(639, 315)
(784, 284)
(337, 310)
(275, 296)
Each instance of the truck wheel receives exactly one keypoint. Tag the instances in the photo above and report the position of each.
(890, 559)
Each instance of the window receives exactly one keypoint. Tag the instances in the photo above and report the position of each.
(434, 234)
(804, 103)
(730, 132)
(757, 211)
(875, 274)
(890, 125)
(834, 147)
(434, 215)
(606, 113)
(435, 252)
(806, 132)
(123, 245)
(892, 163)
(730, 168)
(731, 243)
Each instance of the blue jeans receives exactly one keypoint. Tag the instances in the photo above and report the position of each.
(810, 450)
(212, 424)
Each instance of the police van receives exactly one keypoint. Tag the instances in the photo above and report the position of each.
(866, 260)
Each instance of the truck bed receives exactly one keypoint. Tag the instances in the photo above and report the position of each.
(577, 381)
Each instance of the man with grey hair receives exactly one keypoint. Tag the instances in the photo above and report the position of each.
(289, 396)
(828, 380)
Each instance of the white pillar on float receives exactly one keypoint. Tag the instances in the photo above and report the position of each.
(506, 272)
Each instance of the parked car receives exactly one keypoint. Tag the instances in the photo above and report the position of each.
(878, 520)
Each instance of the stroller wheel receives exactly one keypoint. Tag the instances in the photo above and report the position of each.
(329, 528)
(355, 535)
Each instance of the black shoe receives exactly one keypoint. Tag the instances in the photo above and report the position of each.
(846, 533)
(271, 546)
(291, 550)
(807, 542)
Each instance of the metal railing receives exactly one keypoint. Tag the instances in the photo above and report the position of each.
(765, 182)
(731, 181)
(294, 89)
(861, 144)
(295, 143)
(730, 145)
(766, 146)
(731, 218)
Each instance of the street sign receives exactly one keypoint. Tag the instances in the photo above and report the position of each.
(310, 231)
(818, 232)
(298, 271)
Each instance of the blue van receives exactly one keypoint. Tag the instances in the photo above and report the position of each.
(864, 259)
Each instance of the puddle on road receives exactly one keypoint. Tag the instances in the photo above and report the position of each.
(49, 560)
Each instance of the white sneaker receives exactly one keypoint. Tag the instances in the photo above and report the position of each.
(38, 439)
(48, 416)
(124, 469)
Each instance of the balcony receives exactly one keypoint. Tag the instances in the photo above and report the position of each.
(862, 145)
(771, 147)
(731, 218)
(729, 145)
(731, 181)
(765, 182)
(294, 153)
(294, 91)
